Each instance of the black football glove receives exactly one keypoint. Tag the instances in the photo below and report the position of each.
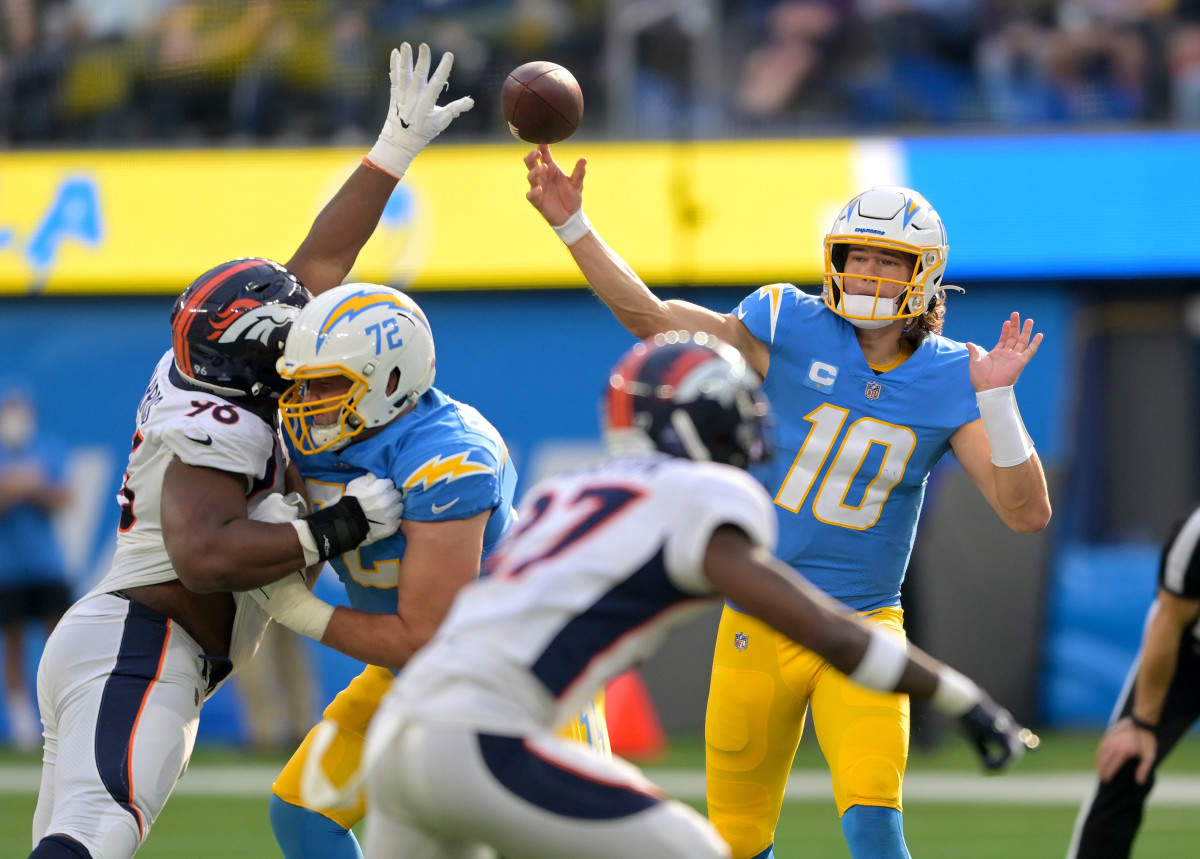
(997, 737)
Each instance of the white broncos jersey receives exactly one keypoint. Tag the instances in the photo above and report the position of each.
(601, 565)
(201, 429)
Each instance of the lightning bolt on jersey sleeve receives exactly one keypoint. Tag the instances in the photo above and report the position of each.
(448, 462)
(455, 481)
(761, 310)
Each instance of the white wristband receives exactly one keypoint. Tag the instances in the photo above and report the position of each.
(882, 664)
(1011, 444)
(955, 694)
(307, 542)
(307, 615)
(386, 157)
(574, 228)
(293, 605)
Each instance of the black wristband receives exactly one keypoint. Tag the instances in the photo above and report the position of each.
(1145, 726)
(339, 527)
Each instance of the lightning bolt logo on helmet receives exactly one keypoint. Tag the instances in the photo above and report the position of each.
(895, 219)
(363, 301)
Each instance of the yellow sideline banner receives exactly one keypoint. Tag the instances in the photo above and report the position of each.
(738, 213)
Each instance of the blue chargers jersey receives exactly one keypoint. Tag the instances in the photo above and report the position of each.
(853, 449)
(448, 462)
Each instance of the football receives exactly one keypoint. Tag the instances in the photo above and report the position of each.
(542, 102)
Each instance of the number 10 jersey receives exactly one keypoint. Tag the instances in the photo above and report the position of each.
(853, 448)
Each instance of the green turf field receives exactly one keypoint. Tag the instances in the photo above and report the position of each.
(235, 827)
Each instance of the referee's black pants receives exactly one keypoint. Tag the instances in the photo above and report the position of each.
(1109, 819)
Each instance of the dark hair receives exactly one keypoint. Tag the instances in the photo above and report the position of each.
(929, 322)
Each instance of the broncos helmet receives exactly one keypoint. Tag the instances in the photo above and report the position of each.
(375, 336)
(897, 219)
(228, 327)
(688, 395)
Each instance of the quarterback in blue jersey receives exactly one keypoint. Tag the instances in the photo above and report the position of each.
(868, 396)
(362, 363)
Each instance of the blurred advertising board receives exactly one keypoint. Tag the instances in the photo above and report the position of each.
(681, 213)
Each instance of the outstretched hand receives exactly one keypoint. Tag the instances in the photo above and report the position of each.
(414, 116)
(551, 191)
(1002, 366)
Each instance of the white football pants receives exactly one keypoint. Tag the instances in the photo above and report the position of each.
(120, 689)
(443, 791)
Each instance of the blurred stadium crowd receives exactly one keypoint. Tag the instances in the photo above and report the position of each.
(114, 72)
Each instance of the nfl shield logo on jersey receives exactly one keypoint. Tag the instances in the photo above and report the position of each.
(873, 390)
(740, 640)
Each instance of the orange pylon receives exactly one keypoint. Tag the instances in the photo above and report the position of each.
(634, 729)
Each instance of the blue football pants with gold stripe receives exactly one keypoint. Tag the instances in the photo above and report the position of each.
(762, 685)
(304, 833)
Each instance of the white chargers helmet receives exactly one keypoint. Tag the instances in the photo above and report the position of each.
(897, 219)
(374, 335)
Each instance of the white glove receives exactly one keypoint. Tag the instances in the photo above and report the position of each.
(414, 117)
(381, 503)
(280, 508)
(293, 605)
(369, 510)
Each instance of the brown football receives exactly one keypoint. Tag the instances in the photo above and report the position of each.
(542, 102)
